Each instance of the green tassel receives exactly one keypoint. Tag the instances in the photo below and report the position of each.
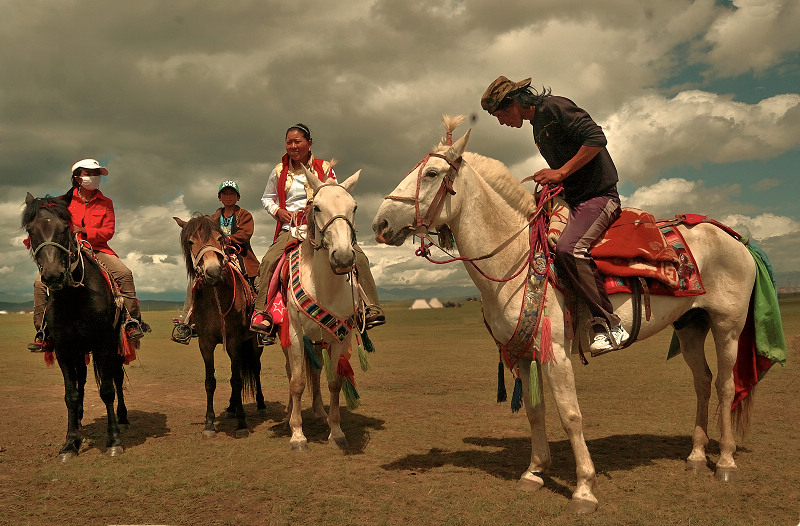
(535, 387)
(516, 398)
(312, 356)
(350, 394)
(367, 342)
(362, 358)
(326, 360)
(501, 383)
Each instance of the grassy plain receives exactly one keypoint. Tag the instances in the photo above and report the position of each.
(428, 445)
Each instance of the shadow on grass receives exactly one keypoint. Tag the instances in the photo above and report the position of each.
(508, 458)
(143, 425)
(355, 426)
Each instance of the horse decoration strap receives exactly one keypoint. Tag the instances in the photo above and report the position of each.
(338, 327)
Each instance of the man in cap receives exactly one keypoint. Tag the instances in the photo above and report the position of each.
(574, 147)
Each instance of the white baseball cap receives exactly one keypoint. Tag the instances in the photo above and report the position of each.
(89, 164)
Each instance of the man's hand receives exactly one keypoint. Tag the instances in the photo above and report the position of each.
(548, 176)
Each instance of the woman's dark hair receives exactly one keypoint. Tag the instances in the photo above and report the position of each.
(302, 128)
(527, 97)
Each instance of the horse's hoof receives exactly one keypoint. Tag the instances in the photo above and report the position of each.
(726, 474)
(209, 433)
(66, 457)
(698, 467)
(115, 451)
(299, 446)
(529, 484)
(340, 442)
(242, 433)
(581, 506)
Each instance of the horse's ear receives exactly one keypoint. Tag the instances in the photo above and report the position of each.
(351, 182)
(459, 147)
(181, 222)
(29, 199)
(313, 180)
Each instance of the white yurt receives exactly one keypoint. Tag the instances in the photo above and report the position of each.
(420, 304)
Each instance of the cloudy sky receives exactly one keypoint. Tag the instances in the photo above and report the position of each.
(700, 101)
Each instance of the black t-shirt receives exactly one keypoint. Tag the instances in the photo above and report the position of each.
(560, 128)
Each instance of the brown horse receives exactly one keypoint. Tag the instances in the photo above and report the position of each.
(220, 305)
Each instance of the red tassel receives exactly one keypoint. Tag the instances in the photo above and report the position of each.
(344, 369)
(284, 332)
(49, 357)
(546, 343)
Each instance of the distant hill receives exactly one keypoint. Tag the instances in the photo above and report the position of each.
(443, 293)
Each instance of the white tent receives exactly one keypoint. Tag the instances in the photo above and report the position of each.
(420, 304)
(435, 303)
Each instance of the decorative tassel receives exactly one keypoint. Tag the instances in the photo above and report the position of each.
(516, 398)
(501, 383)
(326, 361)
(535, 387)
(367, 342)
(362, 358)
(350, 394)
(546, 341)
(49, 357)
(312, 356)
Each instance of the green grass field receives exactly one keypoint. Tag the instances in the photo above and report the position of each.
(428, 445)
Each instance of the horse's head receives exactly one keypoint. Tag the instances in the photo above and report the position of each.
(331, 216)
(203, 248)
(53, 245)
(425, 199)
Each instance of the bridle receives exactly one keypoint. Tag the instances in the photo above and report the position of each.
(312, 220)
(421, 225)
(74, 257)
(226, 262)
(535, 224)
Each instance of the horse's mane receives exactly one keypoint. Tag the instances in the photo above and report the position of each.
(53, 204)
(493, 172)
(199, 225)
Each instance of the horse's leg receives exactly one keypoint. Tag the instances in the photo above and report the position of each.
(532, 480)
(207, 350)
(317, 404)
(261, 405)
(335, 388)
(107, 394)
(72, 443)
(692, 340)
(297, 383)
(236, 388)
(122, 410)
(726, 340)
(80, 385)
(562, 383)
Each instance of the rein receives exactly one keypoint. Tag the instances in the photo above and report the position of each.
(311, 234)
(74, 258)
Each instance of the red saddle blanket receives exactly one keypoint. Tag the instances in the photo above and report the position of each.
(637, 246)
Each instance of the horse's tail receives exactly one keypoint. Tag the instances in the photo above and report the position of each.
(249, 367)
(741, 415)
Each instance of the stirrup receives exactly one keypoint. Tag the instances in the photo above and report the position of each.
(40, 343)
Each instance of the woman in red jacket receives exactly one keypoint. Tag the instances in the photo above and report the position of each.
(92, 221)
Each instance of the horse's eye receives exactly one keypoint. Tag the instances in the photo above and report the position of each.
(190, 243)
(355, 208)
(431, 172)
(316, 208)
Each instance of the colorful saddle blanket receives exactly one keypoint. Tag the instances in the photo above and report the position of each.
(637, 246)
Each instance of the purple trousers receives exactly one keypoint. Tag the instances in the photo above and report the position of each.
(586, 225)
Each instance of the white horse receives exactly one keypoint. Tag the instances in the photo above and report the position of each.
(322, 306)
(487, 210)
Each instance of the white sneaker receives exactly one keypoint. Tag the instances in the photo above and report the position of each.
(602, 343)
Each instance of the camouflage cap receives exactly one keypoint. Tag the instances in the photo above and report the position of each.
(499, 90)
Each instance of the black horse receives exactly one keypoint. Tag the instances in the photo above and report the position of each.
(221, 308)
(82, 318)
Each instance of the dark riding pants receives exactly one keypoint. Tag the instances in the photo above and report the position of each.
(587, 223)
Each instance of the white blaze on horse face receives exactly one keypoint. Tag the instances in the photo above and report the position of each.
(334, 214)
